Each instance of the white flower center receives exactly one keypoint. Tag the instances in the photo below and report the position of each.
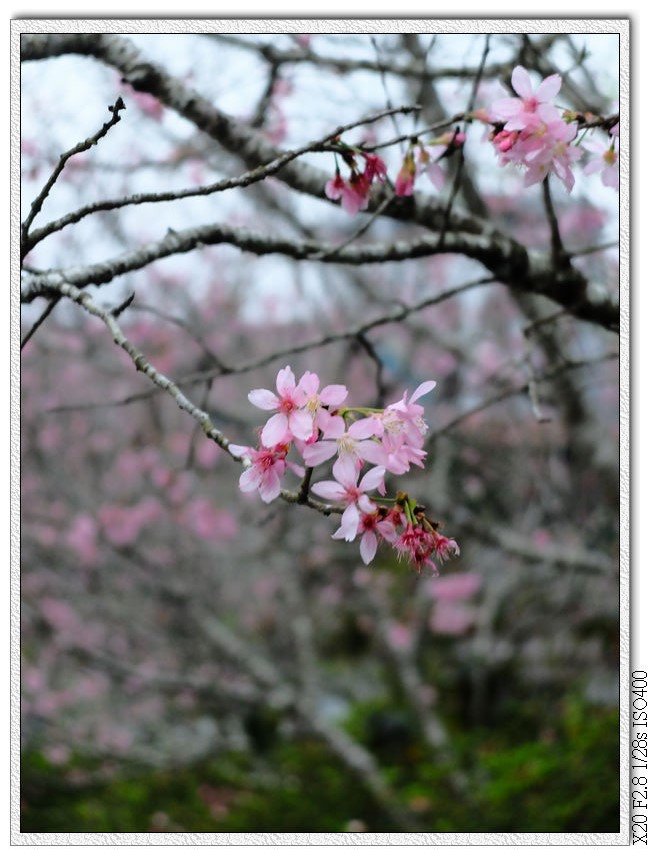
(346, 445)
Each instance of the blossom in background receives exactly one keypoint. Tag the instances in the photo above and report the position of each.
(605, 160)
(292, 420)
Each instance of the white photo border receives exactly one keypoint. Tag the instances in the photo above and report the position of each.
(620, 26)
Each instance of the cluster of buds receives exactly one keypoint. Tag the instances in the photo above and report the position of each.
(354, 193)
(421, 158)
(316, 423)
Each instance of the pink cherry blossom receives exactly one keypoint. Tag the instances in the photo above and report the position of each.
(456, 587)
(373, 527)
(452, 619)
(404, 429)
(605, 160)
(347, 488)
(331, 396)
(292, 419)
(265, 473)
(545, 150)
(352, 445)
(533, 106)
(550, 151)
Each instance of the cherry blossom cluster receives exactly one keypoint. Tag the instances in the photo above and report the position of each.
(527, 130)
(317, 424)
(530, 131)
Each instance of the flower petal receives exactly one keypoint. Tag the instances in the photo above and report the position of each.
(368, 547)
(329, 490)
(419, 391)
(372, 452)
(549, 88)
(318, 453)
(263, 398)
(350, 522)
(240, 450)
(363, 429)
(249, 480)
(285, 381)
(334, 395)
(333, 426)
(310, 383)
(301, 424)
(364, 504)
(346, 472)
(275, 430)
(521, 82)
(372, 479)
(270, 486)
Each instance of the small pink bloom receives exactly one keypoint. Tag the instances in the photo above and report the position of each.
(404, 429)
(331, 396)
(351, 445)
(373, 527)
(604, 160)
(533, 106)
(291, 420)
(267, 468)
(348, 489)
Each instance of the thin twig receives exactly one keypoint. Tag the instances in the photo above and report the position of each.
(349, 335)
(82, 146)
(241, 181)
(461, 152)
(39, 321)
(558, 253)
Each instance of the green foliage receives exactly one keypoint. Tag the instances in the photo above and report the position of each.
(563, 777)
